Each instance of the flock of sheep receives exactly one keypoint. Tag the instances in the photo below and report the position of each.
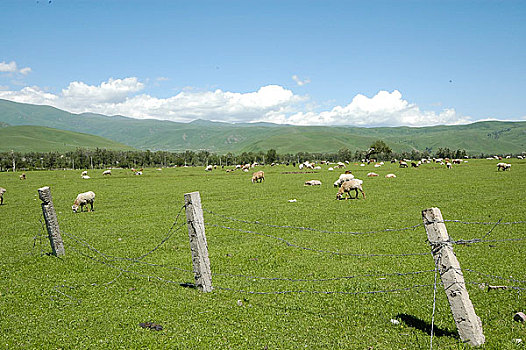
(346, 183)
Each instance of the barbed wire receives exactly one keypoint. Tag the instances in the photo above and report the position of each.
(483, 223)
(316, 250)
(480, 240)
(309, 228)
(170, 233)
(325, 279)
(491, 276)
(325, 292)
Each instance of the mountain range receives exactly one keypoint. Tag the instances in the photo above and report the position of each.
(487, 137)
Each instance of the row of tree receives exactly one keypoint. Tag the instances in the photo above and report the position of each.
(103, 158)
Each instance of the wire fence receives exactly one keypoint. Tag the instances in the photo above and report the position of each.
(88, 251)
(287, 284)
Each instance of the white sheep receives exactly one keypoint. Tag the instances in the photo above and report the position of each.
(138, 173)
(258, 176)
(83, 199)
(2, 191)
(390, 176)
(106, 172)
(209, 168)
(331, 169)
(403, 164)
(312, 183)
(85, 177)
(85, 172)
(343, 177)
(503, 166)
(372, 174)
(348, 186)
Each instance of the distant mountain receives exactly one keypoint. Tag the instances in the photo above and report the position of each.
(476, 138)
(29, 138)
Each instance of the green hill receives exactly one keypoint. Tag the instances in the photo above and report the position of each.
(42, 139)
(476, 138)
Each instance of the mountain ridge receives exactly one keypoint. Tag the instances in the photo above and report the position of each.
(220, 137)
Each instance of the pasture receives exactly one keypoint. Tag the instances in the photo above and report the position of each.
(92, 298)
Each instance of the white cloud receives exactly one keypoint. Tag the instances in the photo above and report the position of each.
(383, 109)
(272, 103)
(8, 67)
(25, 70)
(12, 67)
(299, 81)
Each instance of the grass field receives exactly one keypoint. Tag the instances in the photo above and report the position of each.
(85, 301)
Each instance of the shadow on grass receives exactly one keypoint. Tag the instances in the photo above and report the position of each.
(423, 326)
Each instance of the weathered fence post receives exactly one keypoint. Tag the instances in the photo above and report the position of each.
(468, 323)
(50, 216)
(198, 246)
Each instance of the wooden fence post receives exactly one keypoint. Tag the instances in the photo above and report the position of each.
(50, 216)
(198, 246)
(468, 323)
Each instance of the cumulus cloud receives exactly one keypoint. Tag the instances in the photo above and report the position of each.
(12, 67)
(383, 109)
(299, 81)
(271, 103)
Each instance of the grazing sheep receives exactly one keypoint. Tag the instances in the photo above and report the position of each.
(85, 177)
(330, 169)
(106, 172)
(23, 176)
(85, 172)
(348, 186)
(520, 157)
(2, 191)
(403, 164)
(343, 177)
(449, 166)
(503, 166)
(372, 174)
(138, 173)
(390, 176)
(209, 168)
(258, 176)
(312, 183)
(83, 199)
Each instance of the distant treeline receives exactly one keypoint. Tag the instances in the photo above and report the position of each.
(103, 158)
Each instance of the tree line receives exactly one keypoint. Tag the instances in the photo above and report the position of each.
(103, 158)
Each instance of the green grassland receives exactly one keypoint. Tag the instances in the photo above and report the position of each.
(491, 137)
(89, 299)
(41, 139)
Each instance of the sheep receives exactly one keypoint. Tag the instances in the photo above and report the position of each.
(312, 183)
(258, 176)
(330, 169)
(390, 176)
(403, 164)
(209, 168)
(520, 157)
(348, 186)
(372, 174)
(106, 172)
(23, 176)
(2, 191)
(83, 199)
(448, 165)
(343, 177)
(138, 173)
(85, 172)
(503, 166)
(85, 177)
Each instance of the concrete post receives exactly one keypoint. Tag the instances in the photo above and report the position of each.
(198, 246)
(50, 216)
(468, 323)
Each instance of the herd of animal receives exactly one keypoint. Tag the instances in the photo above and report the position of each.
(346, 183)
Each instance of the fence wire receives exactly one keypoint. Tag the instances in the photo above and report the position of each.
(309, 228)
(317, 250)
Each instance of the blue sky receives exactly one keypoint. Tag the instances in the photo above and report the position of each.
(365, 63)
